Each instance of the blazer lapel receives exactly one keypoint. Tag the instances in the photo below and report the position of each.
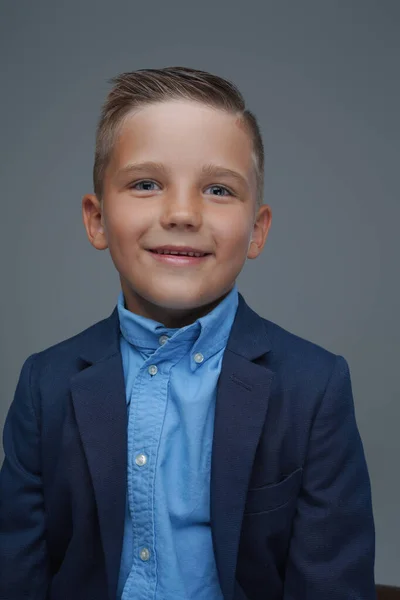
(242, 400)
(98, 393)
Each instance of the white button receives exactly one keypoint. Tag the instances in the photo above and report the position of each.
(163, 339)
(141, 460)
(198, 357)
(152, 369)
(144, 554)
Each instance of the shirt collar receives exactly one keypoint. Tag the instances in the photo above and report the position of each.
(206, 335)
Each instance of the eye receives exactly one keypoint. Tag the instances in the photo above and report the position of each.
(220, 190)
(144, 185)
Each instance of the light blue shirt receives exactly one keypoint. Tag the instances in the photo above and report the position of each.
(171, 379)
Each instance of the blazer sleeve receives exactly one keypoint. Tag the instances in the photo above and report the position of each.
(24, 572)
(332, 549)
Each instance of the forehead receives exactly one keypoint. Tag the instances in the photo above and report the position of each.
(184, 133)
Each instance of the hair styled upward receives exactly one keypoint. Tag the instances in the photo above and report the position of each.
(147, 86)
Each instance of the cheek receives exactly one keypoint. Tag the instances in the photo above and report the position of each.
(234, 236)
(123, 225)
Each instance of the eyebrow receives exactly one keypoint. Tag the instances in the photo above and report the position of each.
(209, 169)
(145, 166)
(218, 171)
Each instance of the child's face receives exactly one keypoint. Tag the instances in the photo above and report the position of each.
(164, 186)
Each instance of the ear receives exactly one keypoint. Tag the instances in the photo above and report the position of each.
(260, 231)
(93, 221)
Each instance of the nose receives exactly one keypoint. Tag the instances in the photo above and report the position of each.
(182, 210)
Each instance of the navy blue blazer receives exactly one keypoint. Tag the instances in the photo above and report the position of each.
(291, 512)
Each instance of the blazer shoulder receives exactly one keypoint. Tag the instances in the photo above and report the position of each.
(93, 339)
(293, 354)
(47, 373)
(286, 338)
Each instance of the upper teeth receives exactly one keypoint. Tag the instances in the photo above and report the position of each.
(179, 253)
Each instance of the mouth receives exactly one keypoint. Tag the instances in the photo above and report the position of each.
(179, 257)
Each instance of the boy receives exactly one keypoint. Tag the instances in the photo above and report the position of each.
(184, 447)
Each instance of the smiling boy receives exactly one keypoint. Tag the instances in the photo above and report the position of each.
(184, 447)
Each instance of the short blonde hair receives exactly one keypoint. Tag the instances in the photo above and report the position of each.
(148, 86)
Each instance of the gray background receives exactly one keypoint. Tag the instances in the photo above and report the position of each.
(323, 78)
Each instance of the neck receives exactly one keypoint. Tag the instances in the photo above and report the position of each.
(171, 318)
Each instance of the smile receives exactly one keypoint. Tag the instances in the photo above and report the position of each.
(179, 259)
(179, 253)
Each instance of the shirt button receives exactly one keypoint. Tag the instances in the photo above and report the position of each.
(198, 357)
(163, 339)
(152, 369)
(141, 460)
(144, 554)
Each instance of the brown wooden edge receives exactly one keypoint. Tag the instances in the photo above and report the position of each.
(386, 592)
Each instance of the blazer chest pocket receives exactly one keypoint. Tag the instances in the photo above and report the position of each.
(273, 496)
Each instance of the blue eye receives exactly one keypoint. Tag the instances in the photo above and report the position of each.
(146, 185)
(217, 189)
